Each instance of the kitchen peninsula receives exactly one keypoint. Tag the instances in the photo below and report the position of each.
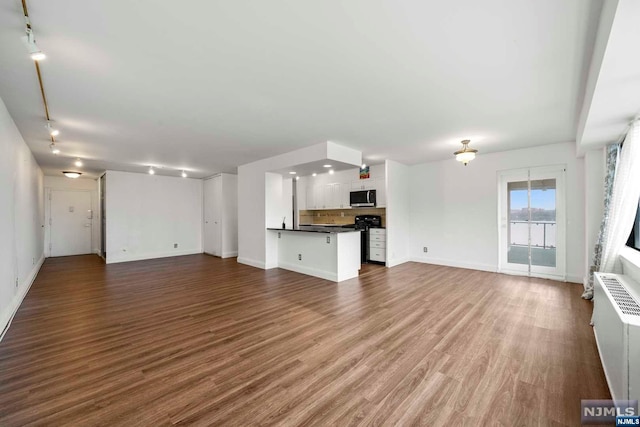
(331, 253)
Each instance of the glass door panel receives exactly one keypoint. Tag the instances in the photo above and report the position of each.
(543, 222)
(518, 227)
(532, 222)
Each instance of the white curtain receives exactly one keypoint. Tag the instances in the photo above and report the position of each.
(624, 201)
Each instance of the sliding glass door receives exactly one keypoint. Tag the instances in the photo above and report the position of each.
(532, 222)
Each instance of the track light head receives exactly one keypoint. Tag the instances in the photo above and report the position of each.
(52, 131)
(151, 170)
(54, 149)
(78, 162)
(184, 174)
(30, 41)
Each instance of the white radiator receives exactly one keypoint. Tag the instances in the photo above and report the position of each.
(616, 324)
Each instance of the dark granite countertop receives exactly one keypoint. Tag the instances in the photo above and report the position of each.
(317, 229)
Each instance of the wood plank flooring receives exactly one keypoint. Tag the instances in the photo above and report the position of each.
(202, 341)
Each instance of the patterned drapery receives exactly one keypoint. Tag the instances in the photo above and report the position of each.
(613, 151)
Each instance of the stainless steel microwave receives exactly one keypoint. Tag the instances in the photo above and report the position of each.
(360, 199)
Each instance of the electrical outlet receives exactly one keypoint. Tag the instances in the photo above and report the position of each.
(299, 257)
(425, 249)
(175, 245)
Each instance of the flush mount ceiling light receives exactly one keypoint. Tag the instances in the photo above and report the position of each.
(71, 174)
(30, 41)
(466, 154)
(326, 166)
(78, 162)
(53, 148)
(292, 173)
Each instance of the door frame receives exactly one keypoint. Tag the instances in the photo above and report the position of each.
(212, 179)
(532, 173)
(48, 219)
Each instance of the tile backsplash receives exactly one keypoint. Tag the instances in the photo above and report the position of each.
(339, 216)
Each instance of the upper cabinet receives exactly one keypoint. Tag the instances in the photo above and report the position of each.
(332, 191)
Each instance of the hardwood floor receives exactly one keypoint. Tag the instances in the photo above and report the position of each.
(204, 341)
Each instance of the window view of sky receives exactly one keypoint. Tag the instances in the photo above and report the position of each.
(541, 199)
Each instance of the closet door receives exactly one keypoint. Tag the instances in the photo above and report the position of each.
(213, 216)
(532, 222)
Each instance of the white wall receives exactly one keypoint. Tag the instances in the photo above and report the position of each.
(260, 201)
(398, 213)
(454, 208)
(147, 214)
(21, 218)
(63, 183)
(594, 169)
(229, 215)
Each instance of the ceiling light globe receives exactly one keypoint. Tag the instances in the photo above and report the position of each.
(465, 157)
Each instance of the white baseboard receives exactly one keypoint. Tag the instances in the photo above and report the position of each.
(393, 263)
(7, 316)
(229, 254)
(311, 271)
(116, 259)
(575, 279)
(252, 262)
(454, 263)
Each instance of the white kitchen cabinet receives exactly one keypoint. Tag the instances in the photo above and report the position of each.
(311, 199)
(378, 244)
(364, 184)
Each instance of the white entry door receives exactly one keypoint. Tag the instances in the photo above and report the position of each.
(532, 222)
(212, 216)
(70, 223)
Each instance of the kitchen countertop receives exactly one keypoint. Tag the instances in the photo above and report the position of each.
(317, 229)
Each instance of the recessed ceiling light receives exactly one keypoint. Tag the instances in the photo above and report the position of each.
(314, 174)
(71, 174)
(326, 166)
(184, 174)
(54, 149)
(151, 171)
(292, 173)
(330, 171)
(78, 162)
(297, 178)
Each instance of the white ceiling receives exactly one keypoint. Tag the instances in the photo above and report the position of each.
(209, 85)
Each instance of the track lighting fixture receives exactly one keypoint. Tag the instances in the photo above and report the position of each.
(78, 162)
(52, 131)
(151, 170)
(184, 174)
(30, 42)
(53, 148)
